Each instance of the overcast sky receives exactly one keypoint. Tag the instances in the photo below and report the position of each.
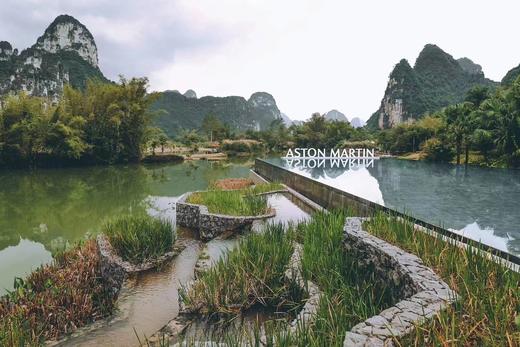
(311, 55)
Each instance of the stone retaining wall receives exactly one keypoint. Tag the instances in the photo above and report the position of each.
(114, 269)
(308, 311)
(423, 294)
(208, 224)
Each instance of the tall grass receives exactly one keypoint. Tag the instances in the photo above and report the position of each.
(55, 299)
(137, 238)
(251, 274)
(489, 293)
(230, 202)
(349, 295)
(240, 202)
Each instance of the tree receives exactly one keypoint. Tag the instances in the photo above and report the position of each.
(24, 124)
(211, 126)
(106, 123)
(460, 127)
(156, 137)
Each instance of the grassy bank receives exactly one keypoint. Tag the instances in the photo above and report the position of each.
(141, 237)
(56, 299)
(241, 202)
(489, 293)
(251, 274)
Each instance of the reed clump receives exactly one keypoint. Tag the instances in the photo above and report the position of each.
(489, 293)
(251, 274)
(138, 238)
(349, 294)
(56, 299)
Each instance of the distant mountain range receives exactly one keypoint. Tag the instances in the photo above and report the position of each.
(178, 111)
(435, 81)
(66, 53)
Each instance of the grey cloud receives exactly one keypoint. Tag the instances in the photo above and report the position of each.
(164, 31)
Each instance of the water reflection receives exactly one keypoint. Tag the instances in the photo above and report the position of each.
(478, 202)
(54, 208)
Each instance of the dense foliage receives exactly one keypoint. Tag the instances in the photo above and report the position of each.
(316, 132)
(104, 123)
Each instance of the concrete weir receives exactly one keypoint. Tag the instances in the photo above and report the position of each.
(329, 197)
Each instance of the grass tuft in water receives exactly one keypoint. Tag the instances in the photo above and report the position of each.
(137, 238)
(240, 202)
(251, 274)
(349, 294)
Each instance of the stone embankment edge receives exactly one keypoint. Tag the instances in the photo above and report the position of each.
(310, 308)
(209, 224)
(424, 293)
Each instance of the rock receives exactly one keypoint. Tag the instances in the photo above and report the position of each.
(335, 115)
(436, 80)
(65, 54)
(190, 94)
(66, 33)
(357, 122)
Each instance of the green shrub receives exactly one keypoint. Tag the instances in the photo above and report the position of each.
(139, 238)
(436, 150)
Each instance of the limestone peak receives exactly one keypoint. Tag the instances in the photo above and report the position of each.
(66, 33)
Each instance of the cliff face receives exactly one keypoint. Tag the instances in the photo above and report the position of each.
(436, 80)
(183, 112)
(65, 54)
(511, 76)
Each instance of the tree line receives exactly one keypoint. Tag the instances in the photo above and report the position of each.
(104, 123)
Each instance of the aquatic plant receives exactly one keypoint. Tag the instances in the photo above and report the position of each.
(56, 299)
(251, 274)
(137, 238)
(241, 202)
(230, 202)
(489, 292)
(349, 294)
